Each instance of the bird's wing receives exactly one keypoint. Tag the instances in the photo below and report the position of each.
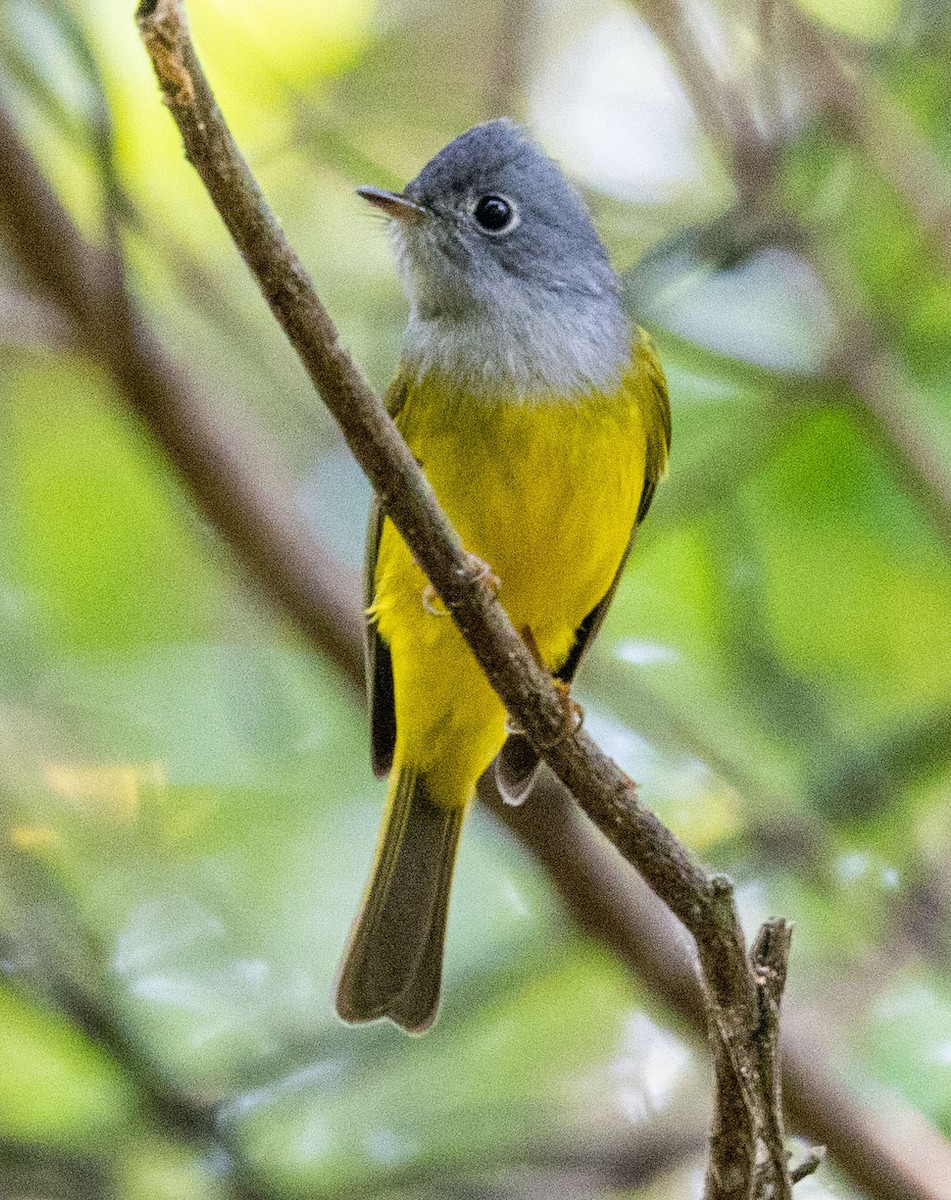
(379, 664)
(647, 372)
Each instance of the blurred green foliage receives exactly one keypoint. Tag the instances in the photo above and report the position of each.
(187, 785)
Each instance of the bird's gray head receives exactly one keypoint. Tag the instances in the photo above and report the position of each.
(508, 281)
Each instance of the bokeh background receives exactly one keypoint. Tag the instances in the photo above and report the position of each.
(187, 811)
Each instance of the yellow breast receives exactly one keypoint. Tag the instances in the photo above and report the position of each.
(546, 492)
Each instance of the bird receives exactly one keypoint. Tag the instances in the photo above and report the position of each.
(540, 416)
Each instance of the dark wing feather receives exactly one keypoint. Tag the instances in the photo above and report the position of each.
(657, 423)
(379, 664)
(517, 763)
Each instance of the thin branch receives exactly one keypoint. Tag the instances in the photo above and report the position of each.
(769, 957)
(703, 902)
(879, 126)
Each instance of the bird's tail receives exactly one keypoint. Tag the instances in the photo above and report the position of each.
(393, 963)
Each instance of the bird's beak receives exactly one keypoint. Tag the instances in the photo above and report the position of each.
(400, 208)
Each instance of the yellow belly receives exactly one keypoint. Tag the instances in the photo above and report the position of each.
(546, 493)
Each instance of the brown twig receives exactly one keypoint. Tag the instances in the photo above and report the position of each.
(769, 958)
(878, 126)
(703, 902)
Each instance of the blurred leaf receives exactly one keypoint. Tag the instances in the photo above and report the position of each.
(872, 19)
(563, 1057)
(54, 1086)
(100, 544)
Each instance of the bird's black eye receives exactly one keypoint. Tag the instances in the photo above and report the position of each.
(494, 214)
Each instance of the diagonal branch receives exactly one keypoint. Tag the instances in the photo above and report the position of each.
(703, 902)
(879, 126)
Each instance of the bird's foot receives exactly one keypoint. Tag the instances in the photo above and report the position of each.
(572, 714)
(512, 726)
(481, 572)
(572, 718)
(478, 571)
(433, 603)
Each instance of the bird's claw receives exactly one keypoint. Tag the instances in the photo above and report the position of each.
(433, 603)
(572, 718)
(572, 715)
(479, 571)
